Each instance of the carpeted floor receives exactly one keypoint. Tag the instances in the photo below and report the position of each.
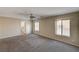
(34, 43)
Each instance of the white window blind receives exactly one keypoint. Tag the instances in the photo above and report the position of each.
(62, 27)
(36, 26)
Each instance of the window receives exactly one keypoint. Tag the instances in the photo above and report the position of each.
(22, 24)
(58, 27)
(36, 26)
(62, 27)
(66, 27)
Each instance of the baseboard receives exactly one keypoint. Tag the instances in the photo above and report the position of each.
(59, 41)
(9, 37)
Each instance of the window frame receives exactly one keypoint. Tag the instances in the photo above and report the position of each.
(62, 27)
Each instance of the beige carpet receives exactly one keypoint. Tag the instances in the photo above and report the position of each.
(34, 43)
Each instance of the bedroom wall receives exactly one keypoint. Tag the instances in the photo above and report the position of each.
(9, 27)
(47, 28)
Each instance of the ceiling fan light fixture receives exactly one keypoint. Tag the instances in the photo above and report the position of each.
(31, 16)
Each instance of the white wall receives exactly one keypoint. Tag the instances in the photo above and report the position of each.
(9, 27)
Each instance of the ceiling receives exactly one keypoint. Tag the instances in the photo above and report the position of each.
(39, 11)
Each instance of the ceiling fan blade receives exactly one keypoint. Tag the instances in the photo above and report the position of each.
(27, 14)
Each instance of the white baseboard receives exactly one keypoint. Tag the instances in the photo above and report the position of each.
(9, 36)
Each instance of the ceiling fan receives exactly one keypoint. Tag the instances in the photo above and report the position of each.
(31, 16)
(25, 14)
